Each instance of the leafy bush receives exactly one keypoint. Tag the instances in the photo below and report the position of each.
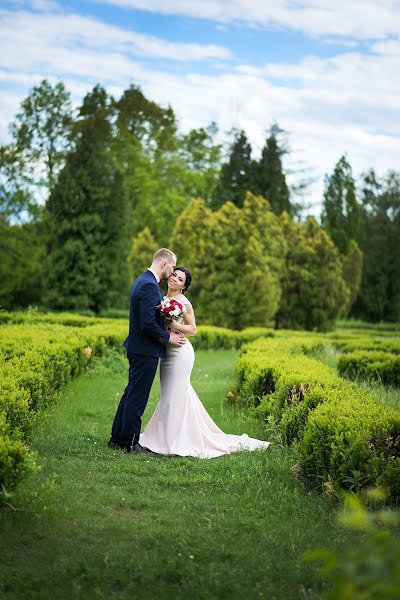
(370, 569)
(339, 426)
(40, 352)
(37, 360)
(382, 366)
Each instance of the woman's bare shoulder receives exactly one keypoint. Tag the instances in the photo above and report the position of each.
(183, 299)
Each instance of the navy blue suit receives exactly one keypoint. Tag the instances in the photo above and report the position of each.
(146, 343)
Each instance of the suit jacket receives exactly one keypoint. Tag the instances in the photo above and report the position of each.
(147, 333)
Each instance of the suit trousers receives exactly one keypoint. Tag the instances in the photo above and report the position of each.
(128, 419)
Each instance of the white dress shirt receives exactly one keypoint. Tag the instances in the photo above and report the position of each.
(155, 274)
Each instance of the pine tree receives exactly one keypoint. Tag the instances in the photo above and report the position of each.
(236, 174)
(141, 254)
(352, 266)
(314, 292)
(256, 286)
(341, 214)
(269, 179)
(262, 224)
(229, 297)
(379, 297)
(192, 242)
(87, 266)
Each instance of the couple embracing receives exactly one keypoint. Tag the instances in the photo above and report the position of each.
(180, 425)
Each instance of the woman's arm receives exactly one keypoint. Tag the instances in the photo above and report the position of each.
(189, 327)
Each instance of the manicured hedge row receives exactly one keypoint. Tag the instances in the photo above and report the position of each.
(381, 366)
(39, 353)
(345, 341)
(383, 327)
(71, 319)
(340, 427)
(209, 337)
(36, 361)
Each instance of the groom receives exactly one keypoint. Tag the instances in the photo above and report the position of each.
(146, 343)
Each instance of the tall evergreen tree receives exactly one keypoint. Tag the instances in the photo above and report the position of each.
(236, 174)
(341, 213)
(269, 179)
(87, 263)
(236, 257)
(192, 242)
(263, 225)
(228, 299)
(352, 267)
(314, 292)
(379, 297)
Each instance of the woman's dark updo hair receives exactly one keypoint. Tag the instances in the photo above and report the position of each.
(188, 278)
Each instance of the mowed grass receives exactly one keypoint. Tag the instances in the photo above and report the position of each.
(95, 523)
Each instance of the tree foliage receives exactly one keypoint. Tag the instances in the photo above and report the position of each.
(314, 292)
(87, 266)
(235, 178)
(40, 133)
(141, 254)
(352, 267)
(379, 297)
(269, 179)
(341, 214)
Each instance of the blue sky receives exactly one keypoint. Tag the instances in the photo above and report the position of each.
(326, 72)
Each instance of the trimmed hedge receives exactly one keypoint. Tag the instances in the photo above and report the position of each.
(381, 366)
(31, 317)
(340, 427)
(37, 360)
(209, 337)
(40, 352)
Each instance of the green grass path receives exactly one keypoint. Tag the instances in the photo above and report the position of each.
(95, 523)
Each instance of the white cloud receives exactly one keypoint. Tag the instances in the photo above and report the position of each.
(358, 18)
(330, 106)
(25, 33)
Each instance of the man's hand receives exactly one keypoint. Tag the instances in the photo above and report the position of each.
(177, 339)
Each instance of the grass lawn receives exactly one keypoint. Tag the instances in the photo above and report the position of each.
(95, 523)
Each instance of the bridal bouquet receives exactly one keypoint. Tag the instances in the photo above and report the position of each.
(171, 309)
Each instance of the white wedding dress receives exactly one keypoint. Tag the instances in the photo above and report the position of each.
(180, 424)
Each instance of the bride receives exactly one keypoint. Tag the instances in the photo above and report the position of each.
(180, 425)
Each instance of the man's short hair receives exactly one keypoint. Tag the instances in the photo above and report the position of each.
(164, 254)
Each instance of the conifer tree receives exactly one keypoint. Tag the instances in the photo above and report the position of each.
(379, 297)
(229, 298)
(257, 289)
(314, 292)
(236, 174)
(192, 242)
(341, 213)
(141, 254)
(265, 226)
(352, 264)
(269, 179)
(87, 266)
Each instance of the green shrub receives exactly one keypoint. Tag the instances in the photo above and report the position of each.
(340, 428)
(382, 366)
(16, 462)
(209, 337)
(350, 434)
(368, 570)
(40, 352)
